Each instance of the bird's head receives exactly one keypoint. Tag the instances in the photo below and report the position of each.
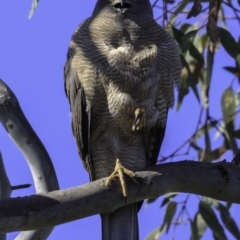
(123, 7)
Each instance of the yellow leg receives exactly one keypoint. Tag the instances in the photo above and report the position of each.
(119, 171)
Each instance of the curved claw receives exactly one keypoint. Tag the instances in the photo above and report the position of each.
(119, 172)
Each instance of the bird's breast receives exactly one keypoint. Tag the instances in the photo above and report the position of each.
(123, 101)
(128, 58)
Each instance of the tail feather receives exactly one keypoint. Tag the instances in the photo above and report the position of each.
(121, 224)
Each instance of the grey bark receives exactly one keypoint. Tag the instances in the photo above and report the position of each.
(5, 187)
(216, 180)
(40, 164)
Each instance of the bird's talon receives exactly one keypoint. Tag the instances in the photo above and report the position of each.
(139, 120)
(119, 172)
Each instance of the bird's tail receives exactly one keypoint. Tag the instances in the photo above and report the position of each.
(121, 224)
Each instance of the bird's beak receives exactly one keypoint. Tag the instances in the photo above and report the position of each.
(122, 5)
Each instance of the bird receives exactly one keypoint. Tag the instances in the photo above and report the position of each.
(121, 71)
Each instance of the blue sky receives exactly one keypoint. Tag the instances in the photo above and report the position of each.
(32, 56)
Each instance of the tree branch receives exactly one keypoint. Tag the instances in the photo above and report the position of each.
(5, 187)
(216, 180)
(40, 164)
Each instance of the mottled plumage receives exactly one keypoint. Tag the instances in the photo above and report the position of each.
(120, 60)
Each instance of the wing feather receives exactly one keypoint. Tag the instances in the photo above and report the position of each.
(80, 117)
(155, 142)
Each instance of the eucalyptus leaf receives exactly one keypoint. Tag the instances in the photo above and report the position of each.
(198, 225)
(210, 60)
(229, 43)
(168, 197)
(228, 105)
(151, 200)
(211, 220)
(233, 70)
(196, 54)
(178, 34)
(228, 110)
(194, 230)
(33, 9)
(187, 40)
(155, 234)
(236, 134)
(228, 221)
(169, 214)
(189, 81)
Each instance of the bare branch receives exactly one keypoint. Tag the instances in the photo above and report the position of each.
(17, 187)
(5, 187)
(21, 132)
(216, 180)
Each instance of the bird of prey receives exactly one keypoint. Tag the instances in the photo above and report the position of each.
(120, 75)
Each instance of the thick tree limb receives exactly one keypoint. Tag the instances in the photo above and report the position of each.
(21, 132)
(216, 180)
(5, 187)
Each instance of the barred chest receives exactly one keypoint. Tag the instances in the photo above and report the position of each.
(127, 98)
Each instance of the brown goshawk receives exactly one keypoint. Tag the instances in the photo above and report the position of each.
(120, 75)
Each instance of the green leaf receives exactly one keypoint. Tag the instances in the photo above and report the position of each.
(194, 230)
(155, 234)
(184, 27)
(211, 220)
(229, 43)
(169, 214)
(229, 221)
(228, 109)
(208, 147)
(178, 34)
(204, 41)
(151, 200)
(168, 197)
(187, 40)
(222, 17)
(191, 82)
(210, 60)
(228, 105)
(34, 6)
(210, 201)
(199, 225)
(218, 152)
(196, 54)
(190, 36)
(236, 134)
(238, 60)
(233, 70)
(183, 91)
